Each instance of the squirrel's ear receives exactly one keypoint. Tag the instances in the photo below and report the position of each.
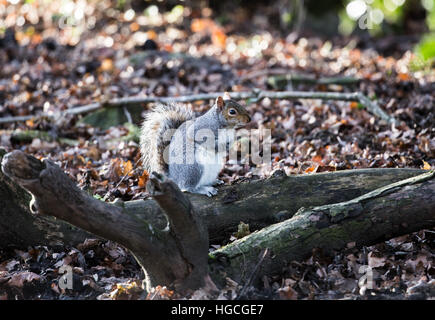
(227, 96)
(220, 102)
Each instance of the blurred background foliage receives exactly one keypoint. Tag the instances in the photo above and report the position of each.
(411, 20)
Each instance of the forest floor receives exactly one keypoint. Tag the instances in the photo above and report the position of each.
(49, 70)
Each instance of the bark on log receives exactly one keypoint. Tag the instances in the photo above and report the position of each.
(260, 203)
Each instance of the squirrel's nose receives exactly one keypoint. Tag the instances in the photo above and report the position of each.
(248, 118)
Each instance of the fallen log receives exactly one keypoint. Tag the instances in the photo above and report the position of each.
(176, 256)
(387, 212)
(260, 203)
(245, 202)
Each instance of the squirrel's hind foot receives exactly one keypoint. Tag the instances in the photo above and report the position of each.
(218, 182)
(207, 190)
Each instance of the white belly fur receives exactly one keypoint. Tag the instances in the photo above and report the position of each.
(212, 164)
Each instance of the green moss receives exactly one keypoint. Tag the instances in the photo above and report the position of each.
(98, 197)
(111, 117)
(26, 136)
(242, 230)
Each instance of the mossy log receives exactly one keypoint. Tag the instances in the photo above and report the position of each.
(396, 209)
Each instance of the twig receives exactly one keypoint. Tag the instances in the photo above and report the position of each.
(281, 74)
(253, 274)
(16, 119)
(275, 80)
(257, 95)
(263, 72)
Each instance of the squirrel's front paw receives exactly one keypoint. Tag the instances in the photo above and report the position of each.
(208, 191)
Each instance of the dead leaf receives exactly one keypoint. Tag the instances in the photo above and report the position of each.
(403, 77)
(426, 166)
(107, 65)
(375, 262)
(160, 293)
(288, 293)
(143, 179)
(219, 38)
(318, 159)
(354, 105)
(199, 25)
(18, 279)
(11, 265)
(311, 169)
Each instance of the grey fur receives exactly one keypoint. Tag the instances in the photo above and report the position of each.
(191, 162)
(188, 173)
(160, 120)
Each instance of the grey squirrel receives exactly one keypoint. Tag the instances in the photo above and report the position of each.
(190, 150)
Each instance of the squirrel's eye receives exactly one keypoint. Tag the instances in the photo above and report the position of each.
(232, 112)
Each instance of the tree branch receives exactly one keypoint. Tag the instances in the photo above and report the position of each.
(185, 226)
(370, 105)
(56, 195)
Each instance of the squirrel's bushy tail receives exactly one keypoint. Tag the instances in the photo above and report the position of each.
(157, 129)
